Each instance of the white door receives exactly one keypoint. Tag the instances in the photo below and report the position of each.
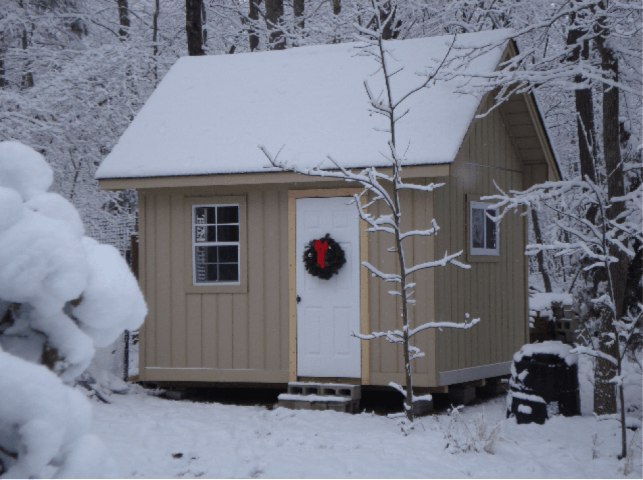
(328, 310)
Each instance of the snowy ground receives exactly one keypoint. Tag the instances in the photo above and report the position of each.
(154, 437)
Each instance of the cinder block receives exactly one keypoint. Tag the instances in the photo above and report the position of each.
(462, 394)
(495, 388)
(312, 390)
(354, 392)
(422, 407)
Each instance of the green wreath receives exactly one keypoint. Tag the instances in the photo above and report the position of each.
(328, 252)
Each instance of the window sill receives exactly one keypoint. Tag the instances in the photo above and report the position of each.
(483, 258)
(239, 288)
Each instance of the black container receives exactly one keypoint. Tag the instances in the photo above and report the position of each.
(543, 382)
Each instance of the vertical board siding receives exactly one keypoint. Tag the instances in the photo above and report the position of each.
(249, 331)
(240, 346)
(150, 281)
(194, 331)
(209, 327)
(374, 295)
(224, 330)
(493, 291)
(384, 309)
(256, 327)
(245, 331)
(177, 265)
(272, 269)
(163, 289)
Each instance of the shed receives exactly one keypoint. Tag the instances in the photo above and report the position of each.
(221, 232)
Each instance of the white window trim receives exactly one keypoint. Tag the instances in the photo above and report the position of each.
(493, 252)
(212, 244)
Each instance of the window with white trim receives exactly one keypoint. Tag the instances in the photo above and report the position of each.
(483, 232)
(215, 245)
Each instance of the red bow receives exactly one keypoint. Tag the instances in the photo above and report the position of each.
(321, 252)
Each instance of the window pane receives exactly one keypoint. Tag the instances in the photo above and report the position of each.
(212, 272)
(228, 214)
(200, 233)
(228, 272)
(228, 233)
(212, 234)
(200, 215)
(211, 255)
(201, 276)
(229, 254)
(212, 219)
(200, 257)
(490, 231)
(477, 227)
(204, 215)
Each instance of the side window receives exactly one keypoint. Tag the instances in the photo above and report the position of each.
(483, 232)
(215, 245)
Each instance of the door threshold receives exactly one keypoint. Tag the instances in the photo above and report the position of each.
(341, 380)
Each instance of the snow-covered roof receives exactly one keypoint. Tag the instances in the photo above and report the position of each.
(210, 113)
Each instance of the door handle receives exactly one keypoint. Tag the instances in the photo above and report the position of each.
(298, 299)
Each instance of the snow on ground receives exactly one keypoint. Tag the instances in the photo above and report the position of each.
(154, 437)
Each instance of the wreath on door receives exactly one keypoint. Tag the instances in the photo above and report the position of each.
(323, 257)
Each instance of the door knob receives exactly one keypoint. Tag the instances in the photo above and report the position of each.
(298, 299)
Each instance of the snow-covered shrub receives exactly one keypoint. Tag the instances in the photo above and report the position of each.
(44, 426)
(463, 437)
(61, 294)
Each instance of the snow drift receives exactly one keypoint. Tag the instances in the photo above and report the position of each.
(61, 294)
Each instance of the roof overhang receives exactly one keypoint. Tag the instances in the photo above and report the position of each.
(534, 146)
(232, 179)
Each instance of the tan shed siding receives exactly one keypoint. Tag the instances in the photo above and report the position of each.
(386, 360)
(491, 290)
(216, 333)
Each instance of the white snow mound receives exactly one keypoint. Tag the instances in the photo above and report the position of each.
(112, 301)
(52, 205)
(50, 423)
(24, 170)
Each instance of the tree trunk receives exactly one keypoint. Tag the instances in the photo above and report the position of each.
(155, 30)
(123, 18)
(274, 15)
(193, 27)
(584, 106)
(540, 257)
(298, 10)
(3, 82)
(337, 7)
(3, 51)
(391, 29)
(27, 78)
(604, 392)
(204, 21)
(253, 14)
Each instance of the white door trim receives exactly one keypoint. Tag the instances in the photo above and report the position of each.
(292, 279)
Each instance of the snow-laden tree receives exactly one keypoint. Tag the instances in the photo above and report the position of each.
(384, 188)
(597, 241)
(61, 295)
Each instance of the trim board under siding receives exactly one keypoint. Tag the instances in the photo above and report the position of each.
(474, 373)
(215, 375)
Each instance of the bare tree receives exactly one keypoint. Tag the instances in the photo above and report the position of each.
(609, 243)
(194, 26)
(274, 19)
(383, 188)
(123, 18)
